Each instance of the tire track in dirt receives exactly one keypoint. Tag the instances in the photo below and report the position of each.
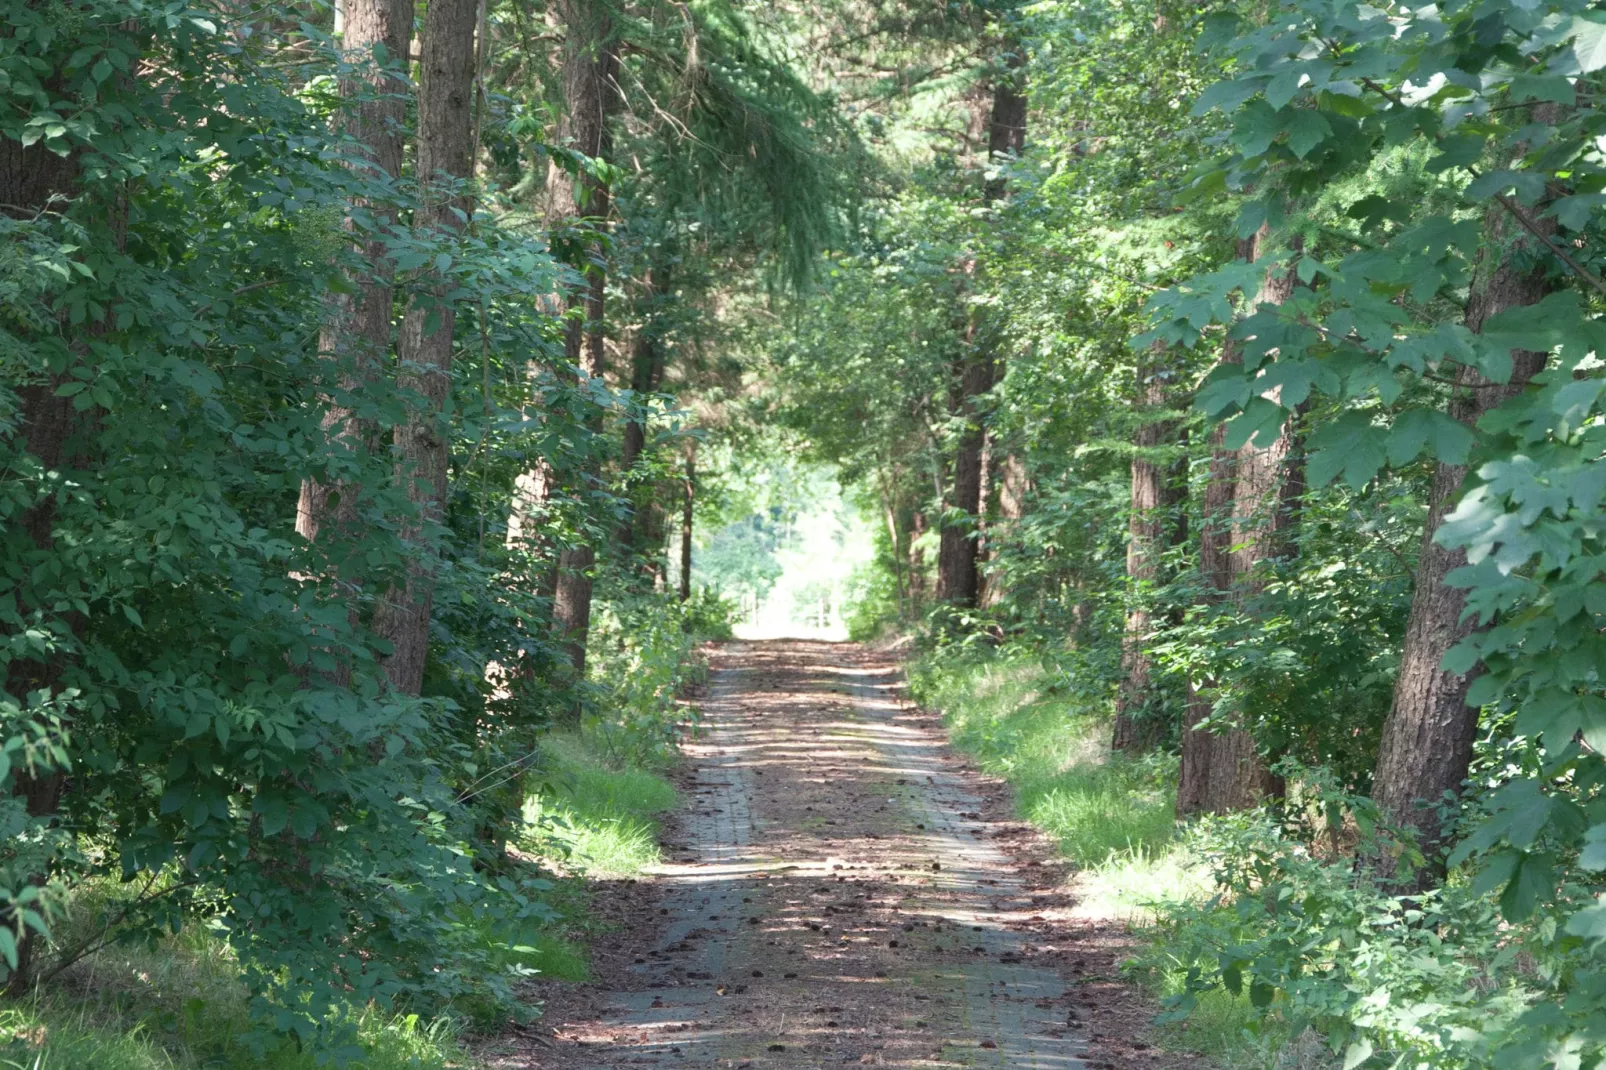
(834, 896)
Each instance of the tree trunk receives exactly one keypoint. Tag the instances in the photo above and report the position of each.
(31, 180)
(646, 374)
(893, 541)
(958, 576)
(1222, 770)
(1146, 542)
(590, 77)
(687, 508)
(1013, 486)
(917, 561)
(445, 157)
(1428, 736)
(356, 334)
(1199, 748)
(984, 507)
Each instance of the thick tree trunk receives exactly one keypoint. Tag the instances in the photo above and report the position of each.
(1145, 546)
(1222, 770)
(590, 89)
(1199, 748)
(1428, 736)
(356, 335)
(445, 156)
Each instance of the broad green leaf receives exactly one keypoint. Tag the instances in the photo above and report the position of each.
(1351, 445)
(1307, 130)
(1527, 186)
(1552, 87)
(1255, 127)
(1459, 150)
(1589, 43)
(1534, 880)
(1593, 856)
(1576, 211)
(274, 813)
(1590, 923)
(1260, 422)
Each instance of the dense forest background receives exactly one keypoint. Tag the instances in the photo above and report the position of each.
(396, 392)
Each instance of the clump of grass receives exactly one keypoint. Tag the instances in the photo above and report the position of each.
(1134, 886)
(595, 816)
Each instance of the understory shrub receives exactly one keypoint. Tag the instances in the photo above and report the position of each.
(1307, 934)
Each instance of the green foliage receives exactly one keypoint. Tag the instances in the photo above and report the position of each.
(177, 1002)
(1312, 941)
(1390, 158)
(595, 814)
(196, 724)
(1035, 726)
(202, 671)
(598, 792)
(643, 652)
(1321, 95)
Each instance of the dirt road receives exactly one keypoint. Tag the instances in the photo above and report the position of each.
(839, 889)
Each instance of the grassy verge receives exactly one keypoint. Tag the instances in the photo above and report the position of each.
(595, 815)
(1111, 816)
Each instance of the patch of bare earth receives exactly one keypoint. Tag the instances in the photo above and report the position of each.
(840, 889)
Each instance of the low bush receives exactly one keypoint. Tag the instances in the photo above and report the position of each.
(1306, 938)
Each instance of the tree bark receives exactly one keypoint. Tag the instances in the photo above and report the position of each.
(1428, 736)
(1222, 771)
(445, 156)
(1145, 546)
(590, 80)
(917, 561)
(33, 179)
(958, 581)
(1199, 748)
(1013, 485)
(958, 574)
(646, 375)
(357, 332)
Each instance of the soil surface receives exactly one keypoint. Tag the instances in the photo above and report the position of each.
(839, 888)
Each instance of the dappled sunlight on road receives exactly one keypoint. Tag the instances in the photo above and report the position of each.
(833, 893)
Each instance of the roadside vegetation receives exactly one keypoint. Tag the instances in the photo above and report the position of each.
(176, 1000)
(1234, 424)
(1214, 394)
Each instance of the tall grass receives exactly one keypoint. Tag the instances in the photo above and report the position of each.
(593, 815)
(1111, 816)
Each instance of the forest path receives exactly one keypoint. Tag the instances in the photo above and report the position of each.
(840, 889)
